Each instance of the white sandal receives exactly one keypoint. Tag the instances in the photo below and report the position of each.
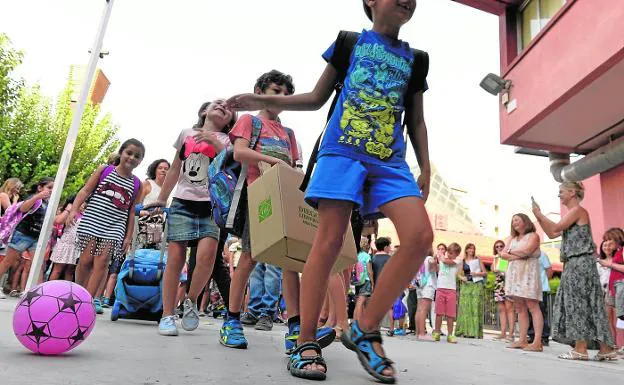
(574, 356)
(611, 356)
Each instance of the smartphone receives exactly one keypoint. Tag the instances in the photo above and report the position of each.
(533, 199)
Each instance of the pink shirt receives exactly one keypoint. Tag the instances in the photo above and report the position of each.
(195, 157)
(273, 141)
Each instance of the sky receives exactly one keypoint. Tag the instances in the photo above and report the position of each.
(166, 58)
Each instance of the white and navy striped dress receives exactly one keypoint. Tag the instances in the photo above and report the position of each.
(106, 216)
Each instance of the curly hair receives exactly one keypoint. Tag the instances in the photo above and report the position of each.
(275, 77)
(151, 169)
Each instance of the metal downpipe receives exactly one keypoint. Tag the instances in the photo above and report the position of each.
(599, 161)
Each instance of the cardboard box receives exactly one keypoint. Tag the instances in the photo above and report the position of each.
(282, 226)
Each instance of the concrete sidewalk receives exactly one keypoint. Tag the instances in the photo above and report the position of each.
(131, 352)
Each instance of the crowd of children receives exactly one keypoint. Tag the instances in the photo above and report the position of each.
(381, 78)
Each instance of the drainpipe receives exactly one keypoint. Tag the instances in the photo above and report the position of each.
(599, 161)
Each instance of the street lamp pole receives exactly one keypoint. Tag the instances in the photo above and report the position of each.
(70, 142)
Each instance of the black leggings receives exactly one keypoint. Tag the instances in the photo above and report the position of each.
(220, 272)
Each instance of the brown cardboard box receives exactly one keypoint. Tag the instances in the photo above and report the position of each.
(282, 226)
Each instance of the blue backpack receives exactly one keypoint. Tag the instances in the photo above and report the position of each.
(227, 187)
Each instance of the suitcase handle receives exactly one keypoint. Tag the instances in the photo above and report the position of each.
(163, 245)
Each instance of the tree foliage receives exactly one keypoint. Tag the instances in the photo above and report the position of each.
(34, 130)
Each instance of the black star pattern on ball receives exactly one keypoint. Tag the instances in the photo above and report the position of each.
(79, 336)
(30, 296)
(37, 332)
(69, 302)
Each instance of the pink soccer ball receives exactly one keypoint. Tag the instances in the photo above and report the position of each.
(54, 317)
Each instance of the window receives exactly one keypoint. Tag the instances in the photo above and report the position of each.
(534, 16)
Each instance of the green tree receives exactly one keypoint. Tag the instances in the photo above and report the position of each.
(35, 131)
(9, 87)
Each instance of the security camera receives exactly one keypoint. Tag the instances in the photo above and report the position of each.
(494, 84)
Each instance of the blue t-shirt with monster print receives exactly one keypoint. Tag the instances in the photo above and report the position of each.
(366, 123)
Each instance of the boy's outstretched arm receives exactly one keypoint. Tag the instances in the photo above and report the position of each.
(310, 101)
(417, 132)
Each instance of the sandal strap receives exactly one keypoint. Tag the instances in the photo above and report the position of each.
(298, 361)
(383, 364)
(308, 346)
(368, 336)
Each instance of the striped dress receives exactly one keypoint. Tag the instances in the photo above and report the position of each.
(106, 216)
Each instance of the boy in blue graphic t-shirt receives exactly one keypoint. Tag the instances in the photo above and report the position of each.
(363, 147)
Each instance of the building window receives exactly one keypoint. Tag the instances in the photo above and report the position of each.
(534, 15)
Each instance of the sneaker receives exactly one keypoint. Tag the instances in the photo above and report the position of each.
(2, 295)
(190, 316)
(105, 302)
(203, 314)
(399, 332)
(98, 306)
(451, 340)
(248, 319)
(232, 335)
(436, 336)
(264, 323)
(324, 337)
(167, 326)
(16, 294)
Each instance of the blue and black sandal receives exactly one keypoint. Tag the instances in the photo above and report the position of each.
(297, 362)
(362, 343)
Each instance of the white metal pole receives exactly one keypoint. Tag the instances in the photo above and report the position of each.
(70, 142)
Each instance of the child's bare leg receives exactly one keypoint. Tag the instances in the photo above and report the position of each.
(334, 219)
(85, 265)
(337, 296)
(205, 298)
(68, 275)
(110, 285)
(206, 253)
(324, 316)
(421, 315)
(171, 278)
(239, 282)
(57, 270)
(414, 230)
(25, 272)
(438, 323)
(290, 291)
(450, 325)
(100, 266)
(100, 290)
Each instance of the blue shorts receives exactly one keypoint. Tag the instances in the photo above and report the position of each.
(22, 242)
(368, 185)
(191, 221)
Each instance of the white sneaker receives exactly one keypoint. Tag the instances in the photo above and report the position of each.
(2, 295)
(167, 326)
(190, 316)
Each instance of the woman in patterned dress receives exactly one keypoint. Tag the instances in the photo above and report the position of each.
(503, 302)
(522, 282)
(578, 317)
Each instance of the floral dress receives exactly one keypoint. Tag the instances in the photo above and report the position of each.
(523, 278)
(579, 311)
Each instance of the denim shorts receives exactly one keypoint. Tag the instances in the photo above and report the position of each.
(364, 290)
(191, 221)
(22, 242)
(368, 185)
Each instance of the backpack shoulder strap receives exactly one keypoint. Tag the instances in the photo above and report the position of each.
(107, 170)
(340, 60)
(137, 186)
(256, 125)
